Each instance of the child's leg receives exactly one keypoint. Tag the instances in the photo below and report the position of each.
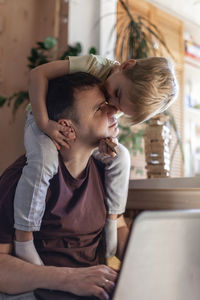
(24, 247)
(110, 230)
(117, 171)
(29, 202)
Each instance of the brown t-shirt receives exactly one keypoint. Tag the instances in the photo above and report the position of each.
(71, 229)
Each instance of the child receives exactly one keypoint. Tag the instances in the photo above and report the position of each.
(139, 88)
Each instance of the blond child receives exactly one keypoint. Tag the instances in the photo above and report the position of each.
(139, 88)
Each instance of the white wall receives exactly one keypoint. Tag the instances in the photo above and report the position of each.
(108, 19)
(83, 23)
(90, 22)
(186, 10)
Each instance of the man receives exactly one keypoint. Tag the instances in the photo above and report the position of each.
(69, 241)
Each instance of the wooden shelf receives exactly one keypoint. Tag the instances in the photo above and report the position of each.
(164, 193)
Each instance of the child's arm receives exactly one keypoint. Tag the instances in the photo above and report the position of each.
(38, 86)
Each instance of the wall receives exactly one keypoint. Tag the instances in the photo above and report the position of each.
(187, 11)
(90, 22)
(83, 24)
(22, 23)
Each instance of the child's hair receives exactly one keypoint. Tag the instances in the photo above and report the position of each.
(60, 95)
(154, 87)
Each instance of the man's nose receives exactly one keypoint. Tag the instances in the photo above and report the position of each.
(111, 109)
(112, 101)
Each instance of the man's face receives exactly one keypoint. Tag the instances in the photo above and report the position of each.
(118, 88)
(97, 119)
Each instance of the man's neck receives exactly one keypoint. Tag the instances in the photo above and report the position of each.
(76, 159)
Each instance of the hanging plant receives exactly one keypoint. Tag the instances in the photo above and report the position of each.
(137, 37)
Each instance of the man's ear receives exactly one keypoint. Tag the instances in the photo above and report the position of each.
(70, 133)
(128, 64)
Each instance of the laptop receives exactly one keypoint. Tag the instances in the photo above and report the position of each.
(162, 259)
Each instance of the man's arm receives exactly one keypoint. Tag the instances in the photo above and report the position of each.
(122, 235)
(17, 276)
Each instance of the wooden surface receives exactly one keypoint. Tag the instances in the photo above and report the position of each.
(22, 24)
(158, 194)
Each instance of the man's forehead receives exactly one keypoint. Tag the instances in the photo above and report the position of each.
(91, 97)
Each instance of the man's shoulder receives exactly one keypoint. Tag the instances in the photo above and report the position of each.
(14, 168)
(8, 183)
(10, 178)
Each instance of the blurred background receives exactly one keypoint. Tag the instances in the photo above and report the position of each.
(33, 32)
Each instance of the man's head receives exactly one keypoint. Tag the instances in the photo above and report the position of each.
(142, 88)
(77, 101)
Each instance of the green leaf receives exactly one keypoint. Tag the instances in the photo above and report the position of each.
(11, 98)
(64, 55)
(20, 98)
(139, 171)
(31, 59)
(31, 66)
(2, 101)
(78, 47)
(49, 42)
(34, 53)
(72, 51)
(132, 140)
(41, 45)
(93, 50)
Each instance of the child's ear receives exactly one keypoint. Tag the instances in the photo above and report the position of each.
(69, 133)
(128, 64)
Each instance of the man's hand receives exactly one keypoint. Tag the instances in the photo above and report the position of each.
(109, 146)
(59, 134)
(97, 281)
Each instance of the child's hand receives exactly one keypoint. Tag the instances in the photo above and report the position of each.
(59, 134)
(108, 146)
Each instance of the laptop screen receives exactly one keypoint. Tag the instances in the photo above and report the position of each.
(162, 259)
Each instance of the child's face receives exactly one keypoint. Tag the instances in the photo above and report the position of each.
(118, 88)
